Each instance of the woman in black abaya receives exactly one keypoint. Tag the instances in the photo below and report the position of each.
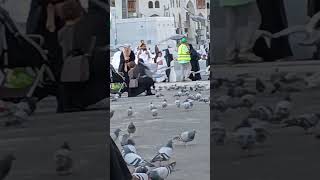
(274, 19)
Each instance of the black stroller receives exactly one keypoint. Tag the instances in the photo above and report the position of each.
(21, 51)
(117, 82)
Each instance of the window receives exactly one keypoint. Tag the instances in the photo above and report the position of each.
(150, 4)
(157, 4)
(131, 5)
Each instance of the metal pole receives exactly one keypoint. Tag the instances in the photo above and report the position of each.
(116, 32)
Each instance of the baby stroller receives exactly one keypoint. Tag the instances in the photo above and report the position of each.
(117, 82)
(21, 57)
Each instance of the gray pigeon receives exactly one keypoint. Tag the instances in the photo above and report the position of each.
(177, 102)
(164, 153)
(162, 173)
(6, 165)
(164, 103)
(140, 176)
(63, 159)
(151, 106)
(124, 139)
(115, 134)
(131, 128)
(186, 136)
(130, 112)
(154, 112)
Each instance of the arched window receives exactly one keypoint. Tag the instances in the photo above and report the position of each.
(157, 4)
(150, 4)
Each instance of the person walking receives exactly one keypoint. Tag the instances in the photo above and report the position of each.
(184, 58)
(239, 46)
(161, 68)
(194, 64)
(168, 57)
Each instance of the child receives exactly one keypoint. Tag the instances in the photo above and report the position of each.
(239, 45)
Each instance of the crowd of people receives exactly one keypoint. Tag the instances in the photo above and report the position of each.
(141, 67)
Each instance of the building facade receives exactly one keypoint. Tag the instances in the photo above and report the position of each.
(180, 10)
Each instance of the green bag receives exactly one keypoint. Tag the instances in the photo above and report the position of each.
(115, 87)
(18, 78)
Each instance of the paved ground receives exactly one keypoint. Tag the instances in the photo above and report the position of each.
(289, 153)
(35, 145)
(192, 162)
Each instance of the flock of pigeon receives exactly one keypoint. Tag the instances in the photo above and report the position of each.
(161, 165)
(241, 94)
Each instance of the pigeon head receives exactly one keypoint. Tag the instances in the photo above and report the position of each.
(170, 144)
(117, 131)
(66, 145)
(130, 107)
(141, 169)
(131, 142)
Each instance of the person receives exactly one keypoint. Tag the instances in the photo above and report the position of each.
(127, 56)
(168, 57)
(194, 64)
(184, 58)
(161, 68)
(274, 20)
(144, 54)
(77, 37)
(235, 10)
(145, 82)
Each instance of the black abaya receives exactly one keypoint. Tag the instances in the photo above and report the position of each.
(274, 19)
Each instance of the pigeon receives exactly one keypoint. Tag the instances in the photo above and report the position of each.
(6, 165)
(260, 86)
(115, 134)
(154, 112)
(18, 118)
(282, 110)
(141, 169)
(262, 112)
(164, 153)
(162, 173)
(164, 104)
(140, 176)
(158, 94)
(124, 139)
(133, 159)
(63, 159)
(222, 103)
(129, 147)
(248, 100)
(187, 104)
(186, 136)
(177, 102)
(198, 96)
(305, 121)
(131, 128)
(130, 112)
(152, 106)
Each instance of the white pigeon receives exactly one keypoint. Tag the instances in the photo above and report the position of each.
(164, 153)
(162, 172)
(130, 112)
(198, 96)
(164, 104)
(186, 136)
(133, 159)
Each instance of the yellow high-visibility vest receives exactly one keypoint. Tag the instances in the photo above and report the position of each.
(183, 54)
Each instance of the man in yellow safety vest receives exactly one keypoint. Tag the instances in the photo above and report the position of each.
(184, 58)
